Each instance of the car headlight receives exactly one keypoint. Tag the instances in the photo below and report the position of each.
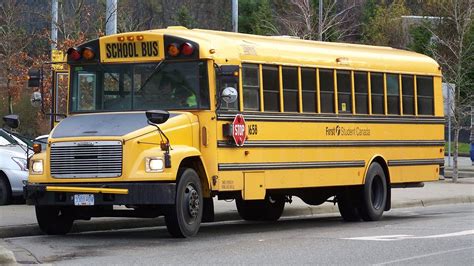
(21, 163)
(37, 167)
(154, 164)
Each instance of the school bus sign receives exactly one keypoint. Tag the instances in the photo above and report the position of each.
(239, 131)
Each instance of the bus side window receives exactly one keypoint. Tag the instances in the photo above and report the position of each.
(393, 94)
(251, 87)
(425, 99)
(290, 89)
(377, 94)
(344, 91)
(271, 89)
(326, 81)
(361, 92)
(308, 85)
(407, 94)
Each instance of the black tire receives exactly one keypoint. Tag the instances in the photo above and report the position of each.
(55, 220)
(374, 194)
(5, 190)
(269, 209)
(347, 203)
(184, 217)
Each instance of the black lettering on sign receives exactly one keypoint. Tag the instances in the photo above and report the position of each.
(253, 130)
(128, 50)
(155, 48)
(108, 47)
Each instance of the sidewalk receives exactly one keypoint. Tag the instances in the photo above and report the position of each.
(465, 167)
(20, 220)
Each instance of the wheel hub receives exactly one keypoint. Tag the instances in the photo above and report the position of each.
(192, 201)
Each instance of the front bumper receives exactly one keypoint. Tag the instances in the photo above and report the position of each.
(145, 193)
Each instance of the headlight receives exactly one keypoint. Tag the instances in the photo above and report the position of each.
(154, 164)
(21, 163)
(37, 167)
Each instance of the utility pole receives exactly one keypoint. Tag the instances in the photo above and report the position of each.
(111, 17)
(320, 24)
(54, 24)
(235, 15)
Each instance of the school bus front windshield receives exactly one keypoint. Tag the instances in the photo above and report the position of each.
(124, 87)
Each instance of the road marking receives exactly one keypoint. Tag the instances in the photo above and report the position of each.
(404, 237)
(423, 256)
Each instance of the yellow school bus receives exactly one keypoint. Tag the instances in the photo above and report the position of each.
(163, 121)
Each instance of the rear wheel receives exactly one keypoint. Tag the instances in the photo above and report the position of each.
(269, 209)
(55, 220)
(183, 219)
(374, 194)
(347, 202)
(5, 190)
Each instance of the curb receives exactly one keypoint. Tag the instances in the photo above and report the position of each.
(100, 224)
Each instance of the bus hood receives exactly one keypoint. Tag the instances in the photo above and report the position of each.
(105, 124)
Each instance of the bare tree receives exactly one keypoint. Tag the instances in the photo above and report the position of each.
(13, 41)
(301, 19)
(454, 50)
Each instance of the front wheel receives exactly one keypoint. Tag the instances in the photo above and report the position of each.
(5, 191)
(184, 217)
(54, 220)
(374, 194)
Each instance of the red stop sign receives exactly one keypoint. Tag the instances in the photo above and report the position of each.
(239, 130)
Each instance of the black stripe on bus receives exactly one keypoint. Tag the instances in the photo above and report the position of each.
(288, 165)
(331, 143)
(416, 162)
(333, 118)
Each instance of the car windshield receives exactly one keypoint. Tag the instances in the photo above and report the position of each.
(122, 87)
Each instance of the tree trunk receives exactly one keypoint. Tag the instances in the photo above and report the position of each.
(455, 155)
(10, 98)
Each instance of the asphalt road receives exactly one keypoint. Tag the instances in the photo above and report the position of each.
(430, 235)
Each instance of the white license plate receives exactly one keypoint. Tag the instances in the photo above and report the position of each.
(84, 200)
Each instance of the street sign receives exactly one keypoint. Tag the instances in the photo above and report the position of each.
(239, 130)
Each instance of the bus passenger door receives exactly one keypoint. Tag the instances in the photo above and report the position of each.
(59, 93)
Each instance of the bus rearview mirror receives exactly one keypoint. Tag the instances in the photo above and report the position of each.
(36, 99)
(157, 116)
(13, 121)
(34, 78)
(229, 95)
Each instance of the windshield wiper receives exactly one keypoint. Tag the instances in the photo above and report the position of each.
(156, 69)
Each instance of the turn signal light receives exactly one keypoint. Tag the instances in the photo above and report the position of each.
(140, 38)
(130, 38)
(88, 53)
(173, 49)
(121, 38)
(187, 48)
(36, 148)
(73, 54)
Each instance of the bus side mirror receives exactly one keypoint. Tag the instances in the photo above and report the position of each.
(229, 95)
(157, 116)
(36, 99)
(13, 121)
(34, 78)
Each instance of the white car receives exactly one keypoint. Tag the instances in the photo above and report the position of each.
(13, 169)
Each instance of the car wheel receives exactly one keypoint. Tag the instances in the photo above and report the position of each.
(5, 190)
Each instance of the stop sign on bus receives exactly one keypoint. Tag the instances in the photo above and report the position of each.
(239, 130)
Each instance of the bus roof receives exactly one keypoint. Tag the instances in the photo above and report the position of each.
(230, 47)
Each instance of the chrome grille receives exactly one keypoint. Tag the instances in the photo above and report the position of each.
(85, 159)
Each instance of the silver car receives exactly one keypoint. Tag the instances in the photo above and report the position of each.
(13, 169)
